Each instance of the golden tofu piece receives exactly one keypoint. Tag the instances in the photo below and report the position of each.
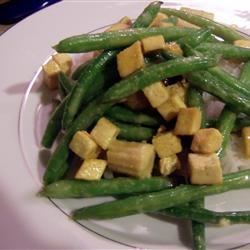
(246, 140)
(173, 48)
(205, 169)
(156, 94)
(165, 24)
(166, 144)
(84, 146)
(171, 107)
(158, 19)
(51, 70)
(104, 132)
(202, 13)
(177, 89)
(64, 61)
(118, 26)
(207, 141)
(126, 20)
(131, 158)
(244, 43)
(91, 169)
(169, 164)
(137, 101)
(184, 24)
(188, 121)
(153, 43)
(130, 59)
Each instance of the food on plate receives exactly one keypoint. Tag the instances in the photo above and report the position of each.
(138, 109)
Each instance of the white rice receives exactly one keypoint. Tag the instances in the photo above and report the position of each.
(234, 159)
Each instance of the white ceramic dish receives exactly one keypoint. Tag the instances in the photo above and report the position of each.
(31, 222)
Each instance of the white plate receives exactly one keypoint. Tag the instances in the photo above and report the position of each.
(31, 222)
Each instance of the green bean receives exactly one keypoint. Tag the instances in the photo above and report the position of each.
(217, 87)
(148, 75)
(88, 85)
(245, 74)
(155, 201)
(54, 125)
(227, 120)
(195, 99)
(131, 132)
(81, 69)
(228, 51)
(148, 15)
(225, 125)
(198, 37)
(218, 29)
(222, 75)
(117, 186)
(125, 114)
(169, 55)
(198, 228)
(117, 39)
(65, 82)
(208, 216)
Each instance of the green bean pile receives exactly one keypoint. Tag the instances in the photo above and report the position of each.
(95, 90)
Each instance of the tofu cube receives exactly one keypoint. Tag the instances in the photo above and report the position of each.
(51, 70)
(131, 158)
(169, 164)
(244, 43)
(205, 169)
(166, 144)
(177, 89)
(246, 140)
(188, 121)
(165, 24)
(130, 59)
(118, 26)
(207, 141)
(184, 24)
(156, 94)
(158, 19)
(104, 132)
(173, 48)
(91, 169)
(202, 13)
(153, 43)
(171, 107)
(64, 61)
(126, 20)
(84, 146)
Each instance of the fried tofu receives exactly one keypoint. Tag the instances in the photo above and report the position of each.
(156, 94)
(205, 169)
(104, 132)
(188, 121)
(207, 141)
(130, 59)
(152, 43)
(171, 107)
(166, 144)
(91, 169)
(83, 145)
